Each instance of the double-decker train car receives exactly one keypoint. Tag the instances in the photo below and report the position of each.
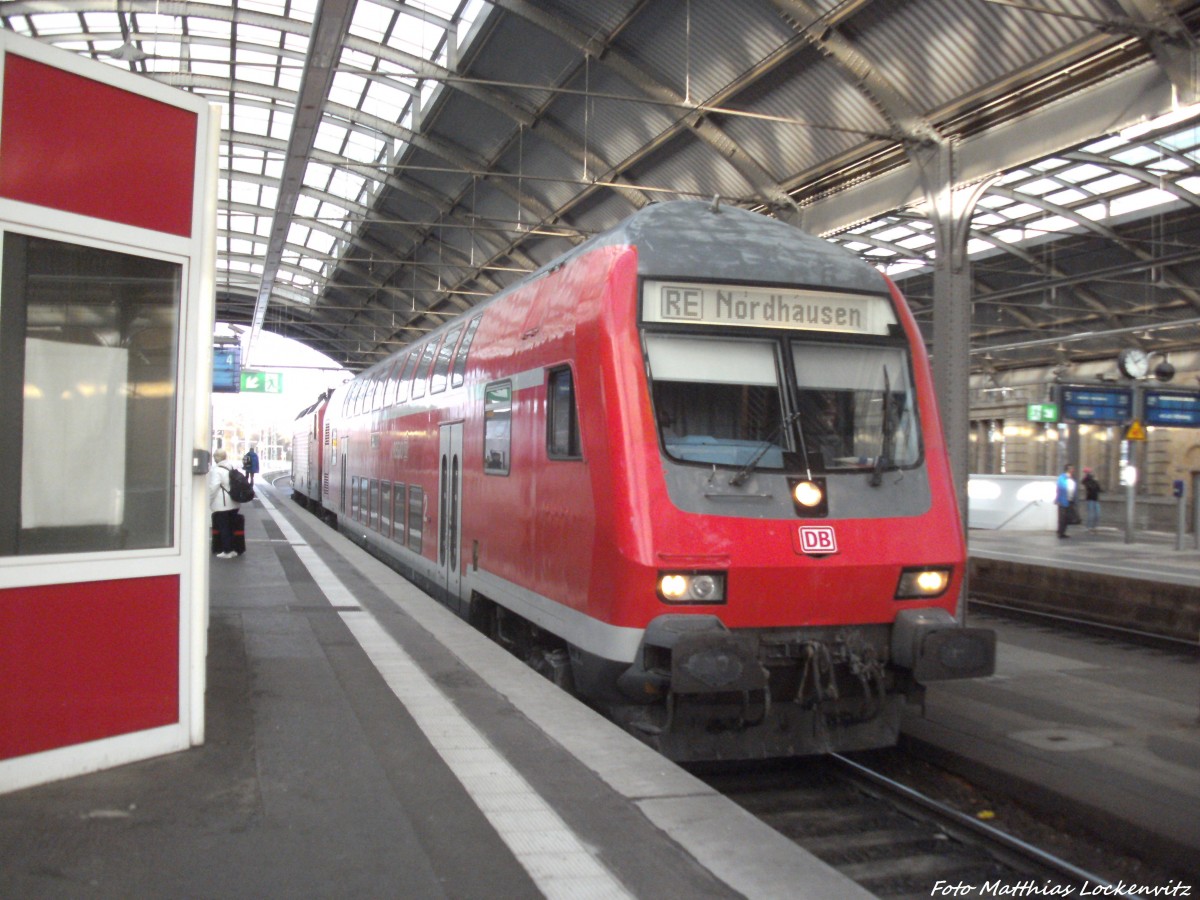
(309, 440)
(692, 470)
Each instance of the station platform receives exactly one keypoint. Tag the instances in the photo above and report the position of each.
(1145, 585)
(1102, 732)
(1151, 556)
(362, 741)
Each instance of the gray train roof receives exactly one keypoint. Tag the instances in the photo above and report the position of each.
(711, 242)
(391, 163)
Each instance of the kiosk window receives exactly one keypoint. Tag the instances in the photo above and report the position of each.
(88, 391)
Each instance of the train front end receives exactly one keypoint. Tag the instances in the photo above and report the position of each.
(804, 542)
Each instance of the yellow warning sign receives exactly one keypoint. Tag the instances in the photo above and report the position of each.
(1136, 431)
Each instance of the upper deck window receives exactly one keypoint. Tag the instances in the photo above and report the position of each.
(458, 369)
(421, 379)
(441, 368)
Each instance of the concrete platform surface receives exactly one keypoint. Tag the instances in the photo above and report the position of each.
(1101, 731)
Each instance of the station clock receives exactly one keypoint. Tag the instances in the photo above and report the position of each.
(1133, 362)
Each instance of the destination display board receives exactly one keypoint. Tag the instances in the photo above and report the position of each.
(1180, 409)
(754, 307)
(1096, 405)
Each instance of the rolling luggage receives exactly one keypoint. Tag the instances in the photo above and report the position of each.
(239, 536)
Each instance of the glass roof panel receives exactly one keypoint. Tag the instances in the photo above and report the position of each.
(371, 21)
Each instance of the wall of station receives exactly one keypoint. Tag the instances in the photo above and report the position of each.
(1005, 441)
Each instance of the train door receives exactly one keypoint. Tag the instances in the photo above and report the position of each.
(450, 508)
(344, 450)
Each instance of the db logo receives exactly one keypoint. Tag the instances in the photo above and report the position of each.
(818, 539)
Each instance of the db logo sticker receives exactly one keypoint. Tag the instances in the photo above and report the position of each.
(818, 540)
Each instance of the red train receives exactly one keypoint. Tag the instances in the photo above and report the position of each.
(691, 470)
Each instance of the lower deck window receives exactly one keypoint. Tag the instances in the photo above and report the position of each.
(416, 516)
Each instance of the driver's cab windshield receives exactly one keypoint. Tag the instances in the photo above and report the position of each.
(734, 402)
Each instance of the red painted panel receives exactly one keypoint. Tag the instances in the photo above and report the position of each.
(80, 146)
(80, 662)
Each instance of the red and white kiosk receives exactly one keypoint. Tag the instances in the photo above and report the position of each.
(107, 265)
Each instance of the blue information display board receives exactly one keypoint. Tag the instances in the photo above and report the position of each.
(227, 368)
(1101, 405)
(1178, 408)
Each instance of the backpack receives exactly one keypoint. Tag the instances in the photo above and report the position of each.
(239, 488)
(246, 462)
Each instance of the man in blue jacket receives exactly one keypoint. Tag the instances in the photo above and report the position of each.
(250, 465)
(1064, 497)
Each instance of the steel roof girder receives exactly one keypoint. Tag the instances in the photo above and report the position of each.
(1125, 99)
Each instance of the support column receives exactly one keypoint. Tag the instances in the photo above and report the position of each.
(951, 212)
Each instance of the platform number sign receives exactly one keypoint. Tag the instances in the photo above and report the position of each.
(818, 540)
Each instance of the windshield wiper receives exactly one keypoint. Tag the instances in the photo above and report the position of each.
(739, 477)
(885, 443)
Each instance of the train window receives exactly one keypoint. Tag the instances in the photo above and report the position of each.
(355, 494)
(421, 378)
(374, 504)
(562, 421)
(360, 395)
(459, 369)
(497, 427)
(856, 405)
(410, 362)
(416, 516)
(399, 512)
(88, 371)
(385, 508)
(379, 384)
(393, 378)
(441, 368)
(718, 400)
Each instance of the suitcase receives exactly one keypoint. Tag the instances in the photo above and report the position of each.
(239, 536)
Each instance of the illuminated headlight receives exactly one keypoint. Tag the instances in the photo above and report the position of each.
(692, 587)
(809, 497)
(921, 583)
(808, 494)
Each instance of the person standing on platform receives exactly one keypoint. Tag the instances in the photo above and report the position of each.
(224, 508)
(1064, 498)
(250, 465)
(1091, 493)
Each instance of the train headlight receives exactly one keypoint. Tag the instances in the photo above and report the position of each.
(809, 497)
(692, 587)
(916, 584)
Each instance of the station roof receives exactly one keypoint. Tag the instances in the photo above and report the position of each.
(388, 164)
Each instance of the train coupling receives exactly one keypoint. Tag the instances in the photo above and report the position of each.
(685, 654)
(935, 647)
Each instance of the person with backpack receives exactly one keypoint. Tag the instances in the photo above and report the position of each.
(224, 507)
(250, 465)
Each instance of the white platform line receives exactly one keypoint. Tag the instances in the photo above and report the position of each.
(557, 860)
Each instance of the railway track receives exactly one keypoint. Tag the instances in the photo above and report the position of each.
(892, 840)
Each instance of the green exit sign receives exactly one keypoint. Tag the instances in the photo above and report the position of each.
(1042, 412)
(262, 382)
